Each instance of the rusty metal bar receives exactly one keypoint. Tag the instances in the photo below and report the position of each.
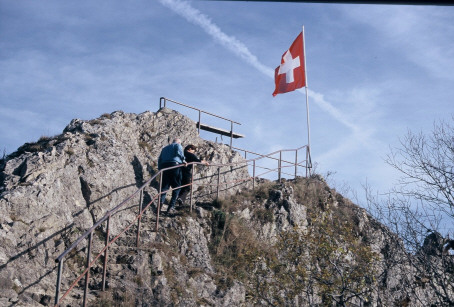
(106, 255)
(57, 290)
(275, 170)
(159, 202)
(185, 105)
(103, 219)
(253, 175)
(200, 122)
(266, 156)
(139, 220)
(191, 187)
(219, 180)
(279, 166)
(160, 100)
(231, 134)
(296, 163)
(307, 154)
(87, 277)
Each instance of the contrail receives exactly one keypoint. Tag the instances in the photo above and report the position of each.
(194, 16)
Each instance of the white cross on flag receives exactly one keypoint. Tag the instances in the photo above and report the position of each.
(291, 75)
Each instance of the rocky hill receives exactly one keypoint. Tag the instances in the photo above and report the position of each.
(291, 243)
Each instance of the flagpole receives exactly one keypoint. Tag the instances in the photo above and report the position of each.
(308, 159)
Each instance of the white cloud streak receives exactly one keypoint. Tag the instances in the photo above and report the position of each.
(194, 16)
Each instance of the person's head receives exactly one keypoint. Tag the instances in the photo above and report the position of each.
(177, 140)
(190, 148)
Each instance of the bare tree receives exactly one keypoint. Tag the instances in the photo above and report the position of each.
(420, 210)
(427, 165)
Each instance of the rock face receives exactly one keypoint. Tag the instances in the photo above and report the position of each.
(275, 245)
(55, 189)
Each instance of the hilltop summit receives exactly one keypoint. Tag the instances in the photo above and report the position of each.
(289, 243)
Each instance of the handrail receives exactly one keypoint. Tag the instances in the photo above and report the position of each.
(164, 99)
(89, 233)
(296, 163)
(257, 154)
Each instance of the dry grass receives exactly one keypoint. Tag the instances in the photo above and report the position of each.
(115, 298)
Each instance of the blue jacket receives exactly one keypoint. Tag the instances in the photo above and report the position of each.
(172, 153)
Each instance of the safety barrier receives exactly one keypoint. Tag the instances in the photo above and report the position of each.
(231, 134)
(139, 193)
(280, 161)
(89, 234)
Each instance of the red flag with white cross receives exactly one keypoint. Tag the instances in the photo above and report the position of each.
(291, 74)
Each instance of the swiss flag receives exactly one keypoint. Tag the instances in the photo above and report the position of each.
(291, 75)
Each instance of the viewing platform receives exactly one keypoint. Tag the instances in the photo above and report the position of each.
(219, 131)
(233, 135)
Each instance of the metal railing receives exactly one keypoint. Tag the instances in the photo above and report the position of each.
(89, 263)
(163, 103)
(280, 161)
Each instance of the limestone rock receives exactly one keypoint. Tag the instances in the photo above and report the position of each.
(53, 190)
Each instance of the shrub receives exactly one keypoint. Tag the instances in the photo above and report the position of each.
(264, 215)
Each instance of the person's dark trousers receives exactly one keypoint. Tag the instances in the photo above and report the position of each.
(170, 178)
(186, 179)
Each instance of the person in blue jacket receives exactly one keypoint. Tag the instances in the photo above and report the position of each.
(171, 155)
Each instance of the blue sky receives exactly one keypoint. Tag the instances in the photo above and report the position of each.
(374, 71)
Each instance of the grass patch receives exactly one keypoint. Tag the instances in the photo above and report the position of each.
(69, 151)
(264, 215)
(233, 245)
(44, 143)
(90, 139)
(116, 298)
(44, 139)
(95, 122)
(144, 145)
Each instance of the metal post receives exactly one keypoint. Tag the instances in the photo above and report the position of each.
(253, 175)
(191, 186)
(279, 166)
(231, 133)
(308, 161)
(87, 277)
(219, 180)
(160, 102)
(198, 129)
(57, 288)
(296, 162)
(106, 255)
(307, 100)
(139, 221)
(159, 202)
